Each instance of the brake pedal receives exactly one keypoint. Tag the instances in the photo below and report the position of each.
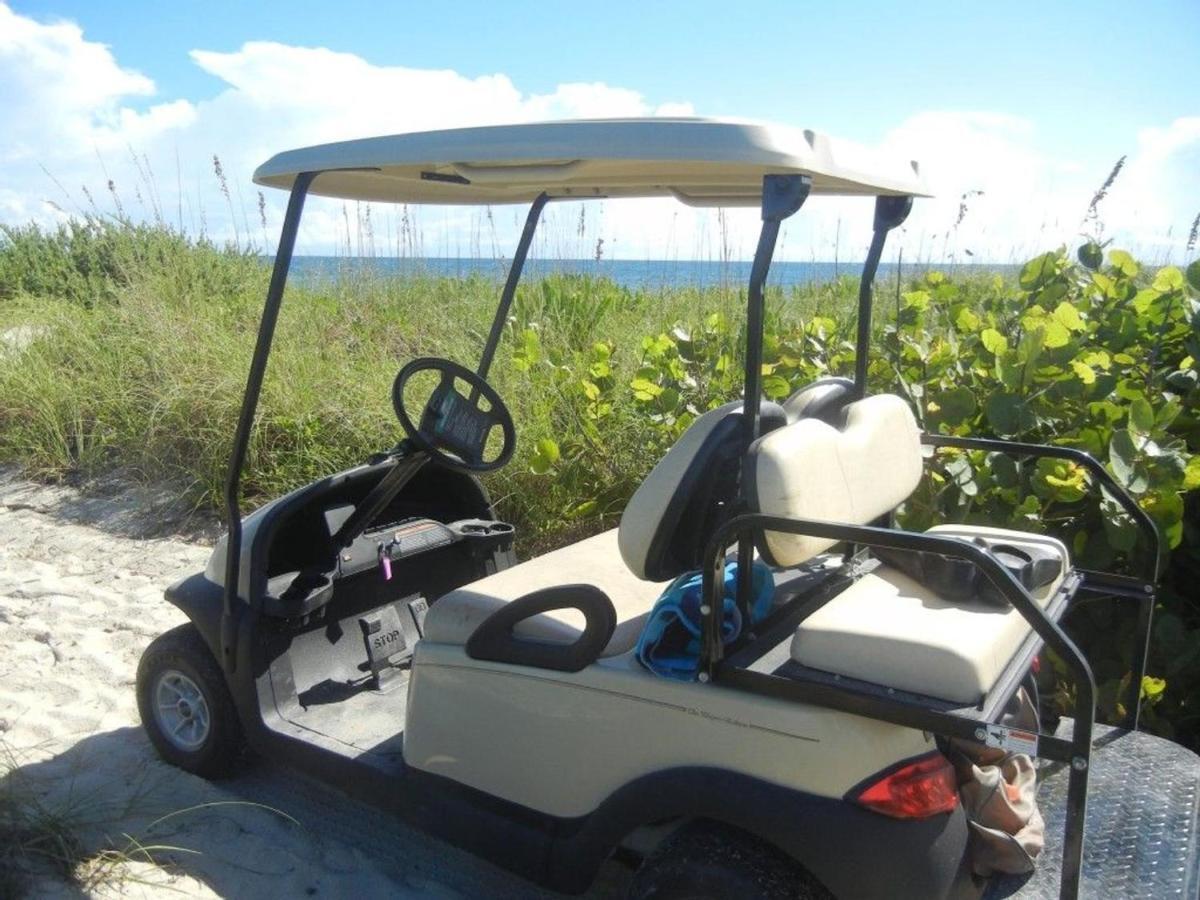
(389, 642)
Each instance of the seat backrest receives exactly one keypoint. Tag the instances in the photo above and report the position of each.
(853, 474)
(824, 399)
(679, 505)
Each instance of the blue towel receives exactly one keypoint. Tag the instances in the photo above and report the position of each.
(670, 643)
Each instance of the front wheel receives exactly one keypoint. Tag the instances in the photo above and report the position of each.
(185, 705)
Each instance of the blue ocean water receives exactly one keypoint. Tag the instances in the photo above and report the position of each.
(631, 273)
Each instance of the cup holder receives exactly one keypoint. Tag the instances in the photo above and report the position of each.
(482, 528)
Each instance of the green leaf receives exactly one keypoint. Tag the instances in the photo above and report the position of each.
(962, 475)
(1120, 530)
(1193, 274)
(993, 341)
(1168, 279)
(1068, 316)
(582, 510)
(956, 404)
(1191, 476)
(776, 387)
(1029, 349)
(1054, 334)
(966, 321)
(644, 389)
(1060, 480)
(1029, 508)
(1152, 687)
(545, 455)
(1141, 416)
(1084, 372)
(1004, 469)
(1091, 255)
(1123, 263)
(1039, 270)
(1008, 414)
(1125, 462)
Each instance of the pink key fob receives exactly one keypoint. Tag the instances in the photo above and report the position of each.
(385, 561)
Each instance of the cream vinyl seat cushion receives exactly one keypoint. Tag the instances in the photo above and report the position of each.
(853, 474)
(888, 629)
(596, 561)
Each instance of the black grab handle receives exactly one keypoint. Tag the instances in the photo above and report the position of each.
(494, 640)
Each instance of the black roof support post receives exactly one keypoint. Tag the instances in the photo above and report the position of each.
(889, 213)
(510, 284)
(782, 196)
(241, 439)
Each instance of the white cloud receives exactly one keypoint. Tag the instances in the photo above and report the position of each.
(1157, 194)
(69, 107)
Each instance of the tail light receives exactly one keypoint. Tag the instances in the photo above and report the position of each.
(916, 790)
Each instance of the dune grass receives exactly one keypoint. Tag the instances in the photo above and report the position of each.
(135, 345)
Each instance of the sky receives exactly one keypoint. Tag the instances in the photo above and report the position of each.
(1018, 109)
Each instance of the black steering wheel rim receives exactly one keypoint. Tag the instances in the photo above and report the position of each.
(497, 414)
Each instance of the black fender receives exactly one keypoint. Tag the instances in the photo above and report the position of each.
(854, 852)
(201, 601)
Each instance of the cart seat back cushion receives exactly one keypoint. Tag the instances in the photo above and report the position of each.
(853, 474)
(453, 618)
(675, 510)
(825, 399)
(888, 629)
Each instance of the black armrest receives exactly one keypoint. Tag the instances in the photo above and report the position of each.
(494, 640)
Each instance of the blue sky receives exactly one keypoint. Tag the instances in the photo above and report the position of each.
(1030, 102)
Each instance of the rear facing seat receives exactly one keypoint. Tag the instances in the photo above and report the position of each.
(885, 628)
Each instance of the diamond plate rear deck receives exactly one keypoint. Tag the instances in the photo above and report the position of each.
(1142, 819)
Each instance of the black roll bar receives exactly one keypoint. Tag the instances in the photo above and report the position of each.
(889, 213)
(241, 438)
(1142, 590)
(1054, 637)
(1140, 517)
(782, 196)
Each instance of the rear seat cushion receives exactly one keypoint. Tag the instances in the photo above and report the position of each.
(812, 470)
(888, 629)
(455, 616)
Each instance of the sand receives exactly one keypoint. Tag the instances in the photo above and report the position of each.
(80, 598)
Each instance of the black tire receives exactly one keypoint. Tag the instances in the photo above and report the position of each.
(182, 650)
(709, 861)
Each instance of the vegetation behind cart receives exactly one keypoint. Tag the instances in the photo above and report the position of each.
(118, 336)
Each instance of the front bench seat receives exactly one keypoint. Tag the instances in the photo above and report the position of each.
(453, 618)
(885, 628)
(662, 535)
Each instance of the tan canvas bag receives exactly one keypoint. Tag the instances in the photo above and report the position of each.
(999, 796)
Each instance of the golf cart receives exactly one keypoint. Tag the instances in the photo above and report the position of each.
(375, 630)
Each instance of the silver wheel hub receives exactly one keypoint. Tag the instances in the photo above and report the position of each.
(181, 711)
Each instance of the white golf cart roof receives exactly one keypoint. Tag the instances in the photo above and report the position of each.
(702, 162)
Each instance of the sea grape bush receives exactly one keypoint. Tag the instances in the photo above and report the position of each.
(1096, 354)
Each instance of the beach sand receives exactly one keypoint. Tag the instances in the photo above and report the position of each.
(80, 598)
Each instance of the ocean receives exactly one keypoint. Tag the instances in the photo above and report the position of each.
(646, 274)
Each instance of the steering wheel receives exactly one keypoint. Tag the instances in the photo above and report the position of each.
(454, 429)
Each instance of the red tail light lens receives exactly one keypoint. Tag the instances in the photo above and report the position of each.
(916, 790)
